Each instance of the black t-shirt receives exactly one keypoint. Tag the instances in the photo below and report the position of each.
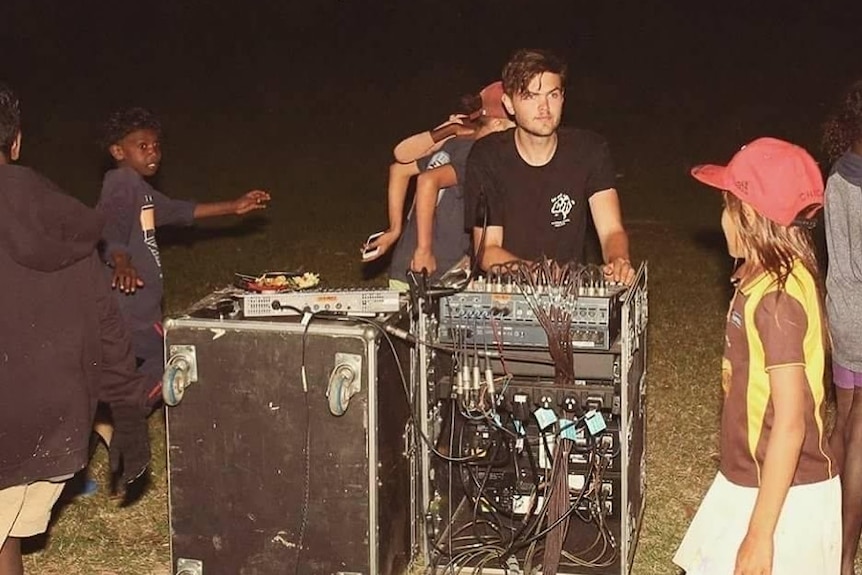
(543, 209)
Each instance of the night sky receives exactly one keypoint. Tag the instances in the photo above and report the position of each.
(365, 72)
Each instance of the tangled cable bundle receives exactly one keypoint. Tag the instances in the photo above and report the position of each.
(488, 531)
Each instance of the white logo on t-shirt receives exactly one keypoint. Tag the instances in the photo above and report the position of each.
(561, 205)
(440, 158)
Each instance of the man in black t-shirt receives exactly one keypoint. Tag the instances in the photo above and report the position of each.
(528, 189)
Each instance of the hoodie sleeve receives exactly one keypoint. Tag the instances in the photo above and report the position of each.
(170, 212)
(117, 203)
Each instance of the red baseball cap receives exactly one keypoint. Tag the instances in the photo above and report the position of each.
(780, 180)
(492, 102)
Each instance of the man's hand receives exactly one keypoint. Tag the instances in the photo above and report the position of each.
(125, 276)
(129, 451)
(423, 260)
(250, 201)
(619, 270)
(754, 556)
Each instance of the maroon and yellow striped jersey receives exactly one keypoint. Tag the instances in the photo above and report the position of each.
(769, 328)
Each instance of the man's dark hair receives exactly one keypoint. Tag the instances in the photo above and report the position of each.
(123, 122)
(525, 64)
(10, 119)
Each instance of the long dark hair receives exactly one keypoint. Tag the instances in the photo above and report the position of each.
(774, 247)
(844, 126)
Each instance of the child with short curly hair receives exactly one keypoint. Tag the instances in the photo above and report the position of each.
(133, 211)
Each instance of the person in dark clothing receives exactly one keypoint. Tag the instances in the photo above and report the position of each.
(63, 347)
(528, 191)
(133, 210)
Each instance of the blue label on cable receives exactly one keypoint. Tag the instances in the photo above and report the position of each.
(567, 429)
(546, 417)
(595, 422)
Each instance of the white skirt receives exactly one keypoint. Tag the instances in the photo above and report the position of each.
(807, 536)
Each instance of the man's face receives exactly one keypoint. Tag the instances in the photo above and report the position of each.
(539, 109)
(139, 150)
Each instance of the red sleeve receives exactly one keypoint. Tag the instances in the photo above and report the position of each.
(781, 324)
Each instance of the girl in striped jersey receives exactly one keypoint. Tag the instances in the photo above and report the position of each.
(775, 505)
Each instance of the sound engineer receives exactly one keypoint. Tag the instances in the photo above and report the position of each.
(527, 189)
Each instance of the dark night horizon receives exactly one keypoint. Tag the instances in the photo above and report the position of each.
(354, 68)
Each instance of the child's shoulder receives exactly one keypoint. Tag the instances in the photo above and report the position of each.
(123, 178)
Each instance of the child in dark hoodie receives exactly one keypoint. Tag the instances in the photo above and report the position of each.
(133, 211)
(63, 347)
(843, 209)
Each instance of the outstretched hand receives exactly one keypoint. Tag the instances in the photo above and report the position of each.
(250, 201)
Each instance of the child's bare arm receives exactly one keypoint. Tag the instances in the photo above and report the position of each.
(396, 194)
(249, 201)
(427, 187)
(787, 388)
(422, 144)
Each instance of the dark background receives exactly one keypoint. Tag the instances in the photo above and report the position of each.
(307, 98)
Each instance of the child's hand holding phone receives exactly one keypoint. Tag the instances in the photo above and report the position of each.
(378, 244)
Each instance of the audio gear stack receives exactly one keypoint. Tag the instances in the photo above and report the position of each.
(531, 396)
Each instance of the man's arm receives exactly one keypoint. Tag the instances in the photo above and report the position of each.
(428, 186)
(607, 217)
(493, 252)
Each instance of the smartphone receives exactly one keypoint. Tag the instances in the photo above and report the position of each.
(369, 252)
